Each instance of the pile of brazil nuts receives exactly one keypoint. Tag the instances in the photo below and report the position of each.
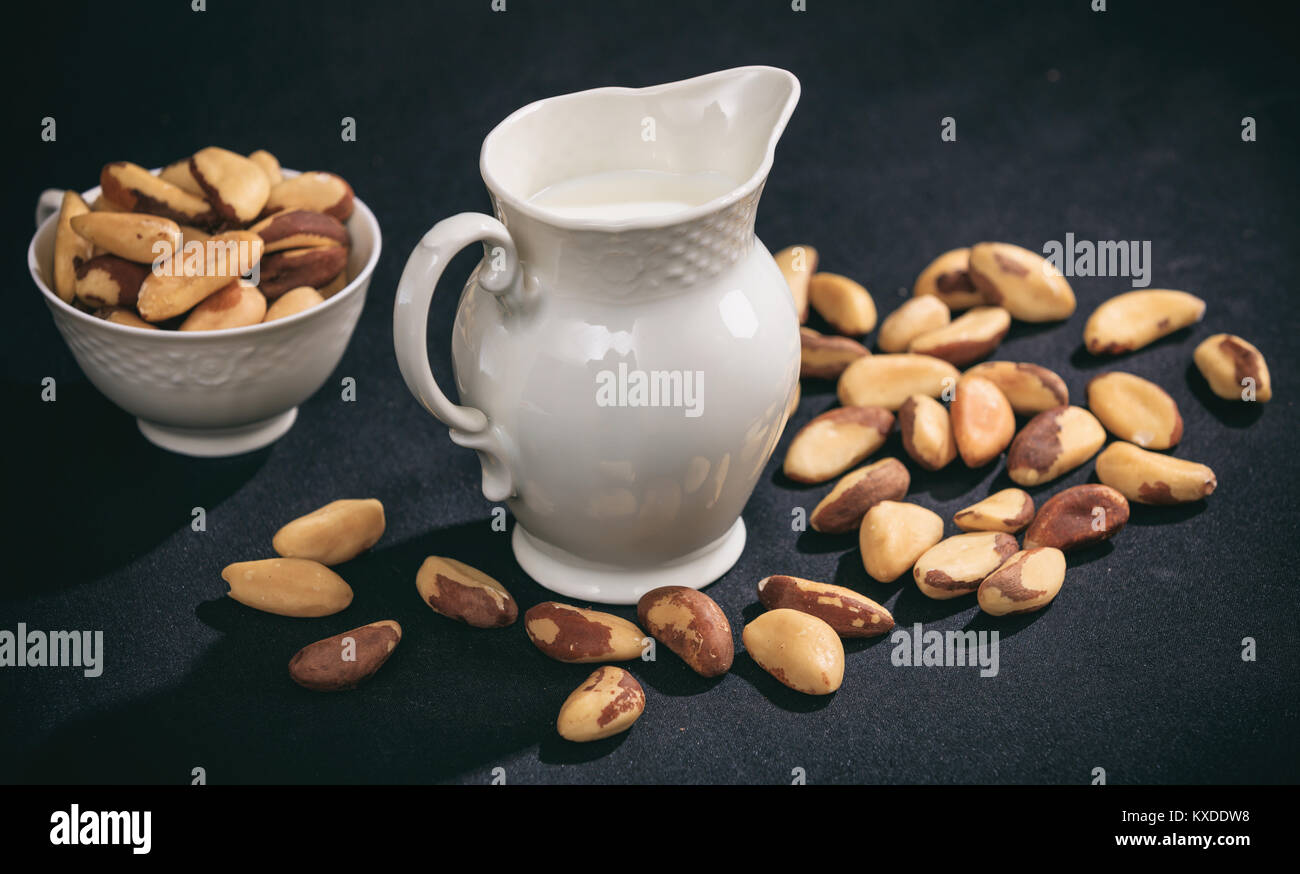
(943, 414)
(168, 250)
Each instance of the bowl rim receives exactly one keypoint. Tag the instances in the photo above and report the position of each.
(363, 276)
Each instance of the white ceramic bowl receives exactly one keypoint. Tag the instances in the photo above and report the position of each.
(211, 393)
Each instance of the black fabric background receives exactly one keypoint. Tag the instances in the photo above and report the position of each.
(1116, 125)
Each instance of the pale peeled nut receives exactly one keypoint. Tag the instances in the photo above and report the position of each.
(823, 356)
(337, 532)
(1077, 517)
(1153, 478)
(270, 165)
(1135, 409)
(607, 703)
(798, 264)
(691, 624)
(134, 188)
(316, 266)
(889, 380)
(926, 429)
(797, 648)
(182, 282)
(1008, 511)
(1030, 388)
(300, 229)
(178, 174)
(948, 279)
(124, 316)
(345, 660)
(130, 235)
(236, 187)
(237, 305)
(893, 536)
(1024, 283)
(318, 192)
(967, 338)
(847, 612)
(70, 248)
(1137, 318)
(835, 441)
(845, 305)
(110, 281)
(857, 492)
(107, 204)
(461, 592)
(293, 302)
(983, 422)
(918, 316)
(287, 586)
(576, 635)
(1028, 581)
(957, 565)
(1053, 443)
(1235, 369)
(334, 286)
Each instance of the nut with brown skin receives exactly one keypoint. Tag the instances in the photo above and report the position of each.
(109, 281)
(293, 302)
(889, 380)
(956, 566)
(461, 592)
(948, 278)
(282, 271)
(917, 316)
(893, 536)
(800, 650)
(337, 532)
(131, 235)
(835, 441)
(845, 305)
(236, 305)
(1008, 511)
(1234, 369)
(798, 264)
(841, 511)
(982, 421)
(1029, 388)
(847, 612)
(1135, 409)
(288, 587)
(691, 624)
(70, 248)
(1028, 581)
(823, 356)
(317, 192)
(334, 286)
(607, 703)
(123, 316)
(1135, 319)
(178, 174)
(345, 660)
(270, 165)
(179, 284)
(300, 229)
(575, 635)
(1023, 282)
(235, 186)
(926, 429)
(1077, 517)
(1053, 443)
(967, 338)
(1152, 478)
(136, 189)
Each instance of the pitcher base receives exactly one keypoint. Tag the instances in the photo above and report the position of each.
(583, 580)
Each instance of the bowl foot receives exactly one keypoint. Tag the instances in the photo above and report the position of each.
(218, 442)
(575, 577)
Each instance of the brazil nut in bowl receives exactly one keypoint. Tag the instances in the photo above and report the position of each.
(206, 392)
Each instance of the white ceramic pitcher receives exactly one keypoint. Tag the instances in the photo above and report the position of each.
(625, 370)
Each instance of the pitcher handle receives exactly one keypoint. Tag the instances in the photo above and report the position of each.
(469, 426)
